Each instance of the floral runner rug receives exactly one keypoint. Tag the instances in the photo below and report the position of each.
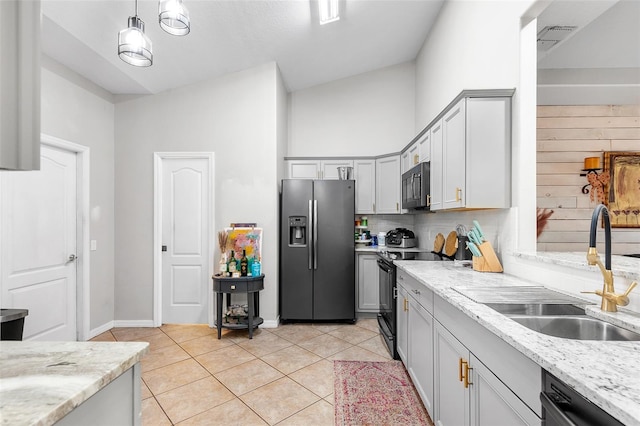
(376, 393)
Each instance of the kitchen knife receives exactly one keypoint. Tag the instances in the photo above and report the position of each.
(474, 249)
(473, 237)
(479, 230)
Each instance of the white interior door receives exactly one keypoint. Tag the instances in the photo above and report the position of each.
(39, 245)
(186, 221)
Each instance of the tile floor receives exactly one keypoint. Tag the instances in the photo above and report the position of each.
(283, 376)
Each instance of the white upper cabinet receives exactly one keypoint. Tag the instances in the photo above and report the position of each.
(388, 184)
(364, 172)
(329, 168)
(435, 197)
(20, 85)
(424, 148)
(315, 169)
(471, 155)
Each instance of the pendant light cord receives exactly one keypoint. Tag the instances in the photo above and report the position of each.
(136, 7)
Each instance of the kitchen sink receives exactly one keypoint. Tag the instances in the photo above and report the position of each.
(575, 327)
(539, 309)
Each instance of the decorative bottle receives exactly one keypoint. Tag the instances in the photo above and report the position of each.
(244, 263)
(256, 267)
(232, 264)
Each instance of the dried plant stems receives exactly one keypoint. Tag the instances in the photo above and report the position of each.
(223, 240)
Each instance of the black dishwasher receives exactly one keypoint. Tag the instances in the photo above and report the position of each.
(563, 406)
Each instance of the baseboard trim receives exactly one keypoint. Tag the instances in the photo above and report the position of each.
(271, 323)
(99, 330)
(133, 323)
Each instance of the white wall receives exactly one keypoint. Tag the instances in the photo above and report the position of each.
(79, 111)
(368, 114)
(233, 116)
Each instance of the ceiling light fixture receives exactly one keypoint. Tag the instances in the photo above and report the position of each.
(329, 11)
(134, 47)
(174, 17)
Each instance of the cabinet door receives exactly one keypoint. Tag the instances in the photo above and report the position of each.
(405, 162)
(493, 403)
(402, 323)
(424, 147)
(420, 352)
(368, 283)
(454, 156)
(436, 167)
(452, 404)
(414, 155)
(364, 172)
(388, 184)
(20, 85)
(303, 169)
(329, 168)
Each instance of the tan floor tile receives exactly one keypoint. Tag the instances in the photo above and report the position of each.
(319, 414)
(356, 353)
(204, 344)
(279, 400)
(325, 345)
(103, 337)
(152, 414)
(264, 344)
(326, 327)
(239, 336)
(291, 359)
(353, 334)
(248, 376)
(175, 375)
(156, 341)
(370, 324)
(189, 332)
(297, 333)
(331, 399)
(127, 334)
(193, 399)
(318, 378)
(377, 346)
(144, 390)
(163, 356)
(234, 412)
(224, 358)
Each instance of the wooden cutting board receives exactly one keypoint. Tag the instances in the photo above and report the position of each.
(451, 244)
(438, 243)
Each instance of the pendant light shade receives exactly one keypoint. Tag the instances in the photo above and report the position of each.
(174, 17)
(134, 47)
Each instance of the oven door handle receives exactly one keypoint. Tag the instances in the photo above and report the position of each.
(552, 409)
(382, 265)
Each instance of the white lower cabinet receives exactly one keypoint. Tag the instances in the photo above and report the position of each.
(420, 352)
(415, 335)
(368, 283)
(452, 401)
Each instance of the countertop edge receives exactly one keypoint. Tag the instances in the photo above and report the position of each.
(100, 375)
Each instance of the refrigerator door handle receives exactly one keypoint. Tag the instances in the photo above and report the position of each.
(315, 234)
(309, 250)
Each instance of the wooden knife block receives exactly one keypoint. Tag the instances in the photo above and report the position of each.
(489, 261)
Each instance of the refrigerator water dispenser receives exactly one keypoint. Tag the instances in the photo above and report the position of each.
(297, 231)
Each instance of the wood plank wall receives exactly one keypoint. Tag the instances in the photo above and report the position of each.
(565, 136)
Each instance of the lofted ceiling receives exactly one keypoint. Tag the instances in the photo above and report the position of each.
(232, 35)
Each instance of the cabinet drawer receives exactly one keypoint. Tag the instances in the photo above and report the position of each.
(418, 291)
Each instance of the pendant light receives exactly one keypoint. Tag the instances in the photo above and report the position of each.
(174, 17)
(134, 47)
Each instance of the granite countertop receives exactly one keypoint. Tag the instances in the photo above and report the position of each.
(41, 382)
(622, 266)
(376, 249)
(606, 373)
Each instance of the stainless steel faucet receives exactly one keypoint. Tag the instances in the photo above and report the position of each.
(610, 300)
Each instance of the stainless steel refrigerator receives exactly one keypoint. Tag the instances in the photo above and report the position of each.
(317, 275)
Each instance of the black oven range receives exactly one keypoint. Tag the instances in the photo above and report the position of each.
(387, 319)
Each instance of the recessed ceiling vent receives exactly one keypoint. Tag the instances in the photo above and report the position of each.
(552, 35)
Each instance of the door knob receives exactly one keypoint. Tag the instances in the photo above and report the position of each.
(72, 257)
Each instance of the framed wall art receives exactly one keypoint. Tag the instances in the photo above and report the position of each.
(622, 193)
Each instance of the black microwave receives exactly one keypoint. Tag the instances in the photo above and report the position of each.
(416, 188)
